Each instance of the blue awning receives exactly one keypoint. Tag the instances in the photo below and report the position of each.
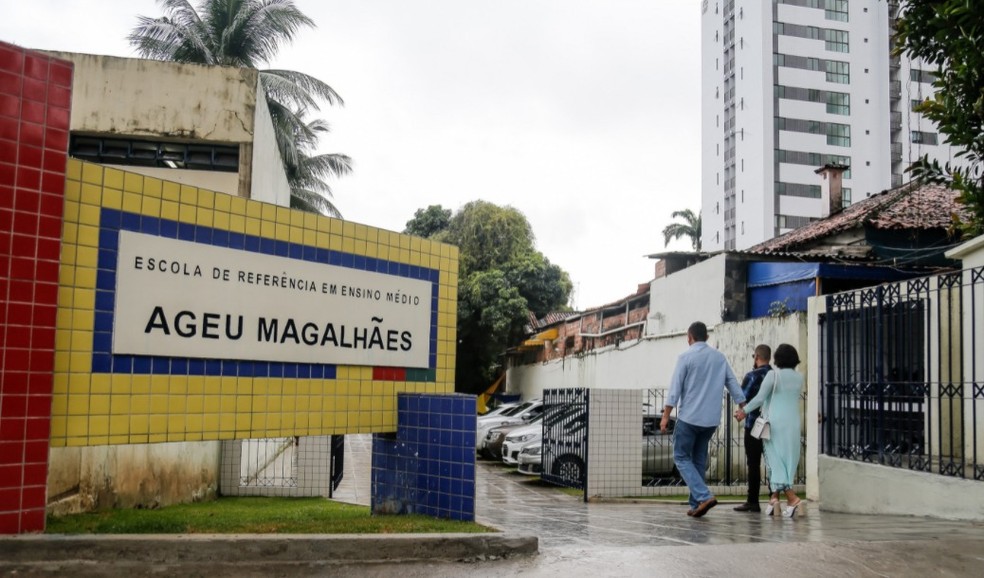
(767, 274)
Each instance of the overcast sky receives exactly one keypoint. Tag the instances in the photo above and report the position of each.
(582, 114)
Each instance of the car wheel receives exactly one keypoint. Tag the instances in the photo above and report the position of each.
(569, 468)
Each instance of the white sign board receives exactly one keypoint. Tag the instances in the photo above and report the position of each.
(182, 299)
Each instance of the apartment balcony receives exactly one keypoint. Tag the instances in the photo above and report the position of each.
(896, 152)
(895, 120)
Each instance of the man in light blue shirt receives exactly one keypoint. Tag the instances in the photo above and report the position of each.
(701, 375)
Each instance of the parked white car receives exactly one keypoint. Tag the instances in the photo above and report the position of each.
(519, 438)
(529, 461)
(523, 413)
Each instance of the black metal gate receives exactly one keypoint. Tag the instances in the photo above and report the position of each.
(896, 387)
(565, 437)
(337, 462)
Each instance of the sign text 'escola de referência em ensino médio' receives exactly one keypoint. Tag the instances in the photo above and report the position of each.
(181, 299)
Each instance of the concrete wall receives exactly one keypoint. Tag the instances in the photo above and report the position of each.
(269, 182)
(135, 97)
(649, 362)
(693, 294)
(860, 488)
(130, 97)
(131, 476)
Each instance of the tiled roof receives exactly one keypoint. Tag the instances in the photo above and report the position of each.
(911, 206)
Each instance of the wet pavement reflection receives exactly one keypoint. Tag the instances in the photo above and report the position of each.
(523, 505)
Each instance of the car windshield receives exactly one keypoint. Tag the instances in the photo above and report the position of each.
(517, 409)
(498, 411)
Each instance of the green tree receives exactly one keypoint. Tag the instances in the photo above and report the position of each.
(502, 278)
(690, 228)
(248, 34)
(429, 222)
(949, 36)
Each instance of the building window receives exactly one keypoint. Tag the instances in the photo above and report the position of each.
(798, 190)
(837, 102)
(926, 138)
(833, 40)
(836, 70)
(917, 75)
(792, 221)
(813, 159)
(914, 104)
(837, 134)
(832, 9)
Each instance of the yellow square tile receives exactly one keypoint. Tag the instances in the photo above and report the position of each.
(91, 194)
(152, 206)
(98, 425)
(221, 221)
(187, 213)
(139, 424)
(348, 229)
(206, 198)
(210, 404)
(170, 210)
(92, 173)
(139, 404)
(227, 422)
(119, 424)
(310, 220)
(153, 187)
(348, 245)
(176, 404)
(158, 424)
(77, 426)
(113, 178)
(80, 362)
(204, 217)
(237, 223)
(158, 404)
(223, 202)
(252, 226)
(171, 191)
(282, 232)
(160, 384)
(176, 424)
(112, 199)
(73, 169)
(121, 383)
(82, 318)
(194, 404)
(296, 235)
(72, 209)
(189, 195)
(309, 238)
(132, 202)
(87, 257)
(268, 229)
(254, 210)
(100, 383)
(239, 205)
(73, 191)
(268, 212)
(133, 182)
(157, 438)
(193, 427)
(244, 422)
(210, 424)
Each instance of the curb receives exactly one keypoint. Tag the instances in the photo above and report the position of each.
(261, 548)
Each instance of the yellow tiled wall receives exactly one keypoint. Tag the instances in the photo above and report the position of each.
(100, 398)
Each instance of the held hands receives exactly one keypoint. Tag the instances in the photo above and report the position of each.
(740, 414)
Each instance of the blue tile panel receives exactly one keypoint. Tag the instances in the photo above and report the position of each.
(428, 466)
(113, 221)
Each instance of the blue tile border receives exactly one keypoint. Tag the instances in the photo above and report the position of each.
(112, 221)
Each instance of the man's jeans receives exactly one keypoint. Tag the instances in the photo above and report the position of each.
(690, 456)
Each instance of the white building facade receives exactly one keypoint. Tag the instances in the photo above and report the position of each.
(789, 86)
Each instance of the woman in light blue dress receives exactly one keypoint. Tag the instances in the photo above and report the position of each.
(779, 398)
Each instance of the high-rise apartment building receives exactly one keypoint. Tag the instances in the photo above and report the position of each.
(789, 86)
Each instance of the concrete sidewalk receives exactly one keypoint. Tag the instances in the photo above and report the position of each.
(573, 538)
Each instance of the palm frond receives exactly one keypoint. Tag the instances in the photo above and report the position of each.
(299, 89)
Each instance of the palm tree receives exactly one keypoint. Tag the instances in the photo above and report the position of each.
(248, 33)
(689, 228)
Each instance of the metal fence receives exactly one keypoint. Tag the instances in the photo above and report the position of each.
(727, 465)
(901, 375)
(565, 437)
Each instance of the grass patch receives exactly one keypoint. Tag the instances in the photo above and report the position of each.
(255, 515)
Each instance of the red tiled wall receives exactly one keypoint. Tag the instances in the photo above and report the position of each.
(35, 100)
